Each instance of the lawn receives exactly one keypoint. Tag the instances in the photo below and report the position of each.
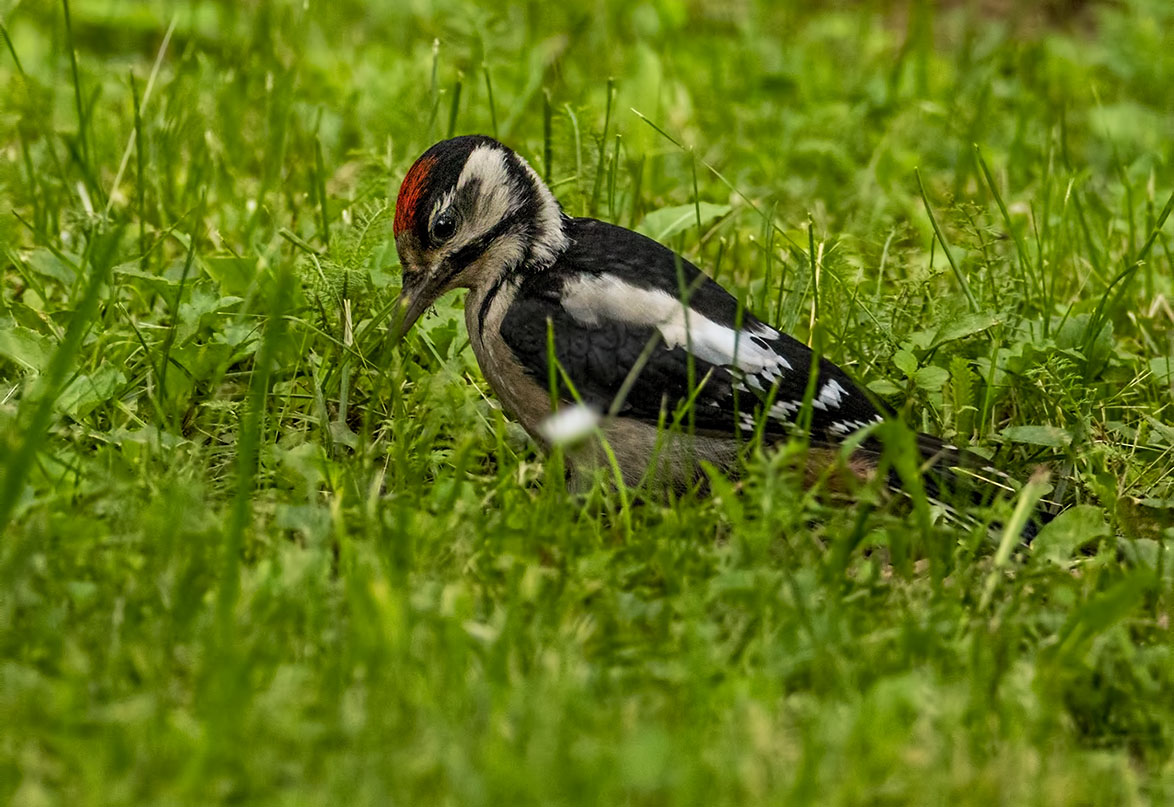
(253, 552)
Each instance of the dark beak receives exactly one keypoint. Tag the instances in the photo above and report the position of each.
(418, 294)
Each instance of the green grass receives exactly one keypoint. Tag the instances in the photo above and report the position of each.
(252, 553)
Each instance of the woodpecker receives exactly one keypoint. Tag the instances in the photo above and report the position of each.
(639, 334)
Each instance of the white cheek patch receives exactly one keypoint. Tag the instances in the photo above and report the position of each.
(496, 199)
(589, 298)
(505, 251)
(486, 165)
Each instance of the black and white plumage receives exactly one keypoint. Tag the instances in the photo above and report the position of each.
(613, 295)
(637, 330)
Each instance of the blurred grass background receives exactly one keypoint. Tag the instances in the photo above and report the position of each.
(251, 554)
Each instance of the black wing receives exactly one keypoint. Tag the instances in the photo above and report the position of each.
(598, 358)
(745, 372)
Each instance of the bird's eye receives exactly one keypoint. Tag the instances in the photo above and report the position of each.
(444, 226)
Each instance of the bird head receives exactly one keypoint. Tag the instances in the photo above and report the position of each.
(469, 211)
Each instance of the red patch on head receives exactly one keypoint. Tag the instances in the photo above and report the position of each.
(408, 202)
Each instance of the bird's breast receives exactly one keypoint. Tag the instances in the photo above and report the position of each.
(520, 396)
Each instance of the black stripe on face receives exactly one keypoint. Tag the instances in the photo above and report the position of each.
(476, 248)
(483, 311)
(460, 260)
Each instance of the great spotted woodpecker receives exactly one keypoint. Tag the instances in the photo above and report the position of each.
(639, 333)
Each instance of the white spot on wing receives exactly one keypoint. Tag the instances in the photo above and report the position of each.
(846, 426)
(832, 393)
(782, 410)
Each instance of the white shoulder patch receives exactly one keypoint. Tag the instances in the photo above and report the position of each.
(588, 299)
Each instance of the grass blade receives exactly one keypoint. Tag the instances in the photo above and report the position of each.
(99, 257)
(946, 245)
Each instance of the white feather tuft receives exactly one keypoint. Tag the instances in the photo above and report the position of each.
(569, 425)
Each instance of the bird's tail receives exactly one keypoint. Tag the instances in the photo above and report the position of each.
(956, 480)
(954, 477)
